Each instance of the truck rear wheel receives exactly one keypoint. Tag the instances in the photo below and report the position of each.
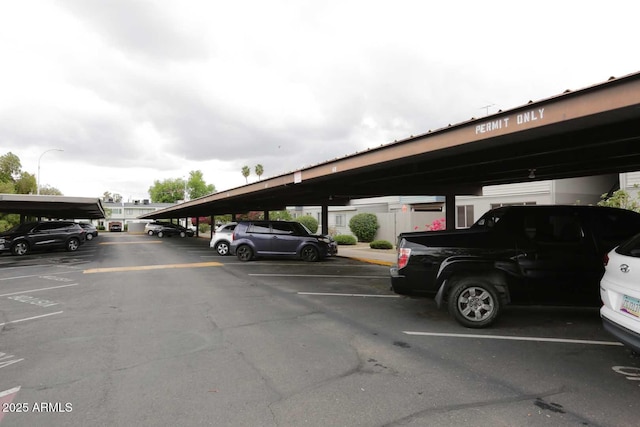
(474, 303)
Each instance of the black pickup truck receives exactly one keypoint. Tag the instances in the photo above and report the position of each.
(525, 255)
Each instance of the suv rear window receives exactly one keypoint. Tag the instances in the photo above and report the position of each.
(282, 228)
(258, 228)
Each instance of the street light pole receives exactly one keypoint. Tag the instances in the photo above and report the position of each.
(40, 158)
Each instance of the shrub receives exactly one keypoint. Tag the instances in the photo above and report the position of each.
(380, 244)
(345, 239)
(310, 222)
(364, 226)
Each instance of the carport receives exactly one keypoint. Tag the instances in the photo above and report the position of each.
(592, 131)
(58, 207)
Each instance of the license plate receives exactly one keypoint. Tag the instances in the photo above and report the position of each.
(631, 305)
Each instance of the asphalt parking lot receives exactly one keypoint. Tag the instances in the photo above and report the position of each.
(132, 329)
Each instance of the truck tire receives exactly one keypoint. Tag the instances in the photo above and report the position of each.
(474, 303)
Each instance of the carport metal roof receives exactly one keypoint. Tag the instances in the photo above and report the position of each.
(52, 206)
(591, 131)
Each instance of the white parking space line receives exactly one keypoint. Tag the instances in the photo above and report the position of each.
(330, 294)
(31, 318)
(38, 275)
(500, 337)
(10, 391)
(38, 290)
(318, 275)
(8, 360)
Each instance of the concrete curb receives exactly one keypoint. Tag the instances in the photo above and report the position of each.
(368, 260)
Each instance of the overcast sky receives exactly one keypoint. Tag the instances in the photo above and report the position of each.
(140, 90)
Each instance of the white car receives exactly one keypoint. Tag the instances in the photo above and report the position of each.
(222, 238)
(620, 293)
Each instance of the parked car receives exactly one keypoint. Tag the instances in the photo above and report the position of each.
(32, 236)
(167, 229)
(151, 228)
(529, 255)
(90, 230)
(115, 226)
(222, 237)
(620, 293)
(253, 239)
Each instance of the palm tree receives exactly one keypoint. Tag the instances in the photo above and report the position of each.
(246, 172)
(259, 170)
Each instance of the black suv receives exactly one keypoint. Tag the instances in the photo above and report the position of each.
(31, 236)
(279, 238)
(534, 255)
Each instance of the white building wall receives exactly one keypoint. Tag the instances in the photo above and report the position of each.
(630, 182)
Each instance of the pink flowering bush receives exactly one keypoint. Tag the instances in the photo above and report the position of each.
(437, 225)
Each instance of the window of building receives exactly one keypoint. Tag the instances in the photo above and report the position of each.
(341, 220)
(464, 216)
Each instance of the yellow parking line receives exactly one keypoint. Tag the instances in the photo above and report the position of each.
(129, 243)
(152, 267)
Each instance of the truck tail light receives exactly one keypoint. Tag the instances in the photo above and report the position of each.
(403, 257)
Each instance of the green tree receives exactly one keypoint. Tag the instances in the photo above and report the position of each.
(167, 191)
(364, 226)
(51, 191)
(621, 199)
(246, 172)
(26, 184)
(7, 187)
(259, 171)
(310, 222)
(197, 187)
(10, 167)
(280, 215)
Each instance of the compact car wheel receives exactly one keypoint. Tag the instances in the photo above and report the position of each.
(222, 248)
(310, 253)
(150, 232)
(244, 253)
(89, 236)
(20, 248)
(474, 303)
(160, 233)
(183, 234)
(72, 244)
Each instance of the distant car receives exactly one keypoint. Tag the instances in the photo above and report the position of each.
(620, 293)
(151, 228)
(222, 237)
(90, 230)
(167, 229)
(253, 239)
(115, 226)
(31, 236)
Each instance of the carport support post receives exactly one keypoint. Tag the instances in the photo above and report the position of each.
(266, 215)
(325, 220)
(450, 211)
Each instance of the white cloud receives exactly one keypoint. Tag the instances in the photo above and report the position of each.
(135, 91)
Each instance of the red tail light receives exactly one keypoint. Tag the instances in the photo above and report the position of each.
(403, 257)
(606, 259)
